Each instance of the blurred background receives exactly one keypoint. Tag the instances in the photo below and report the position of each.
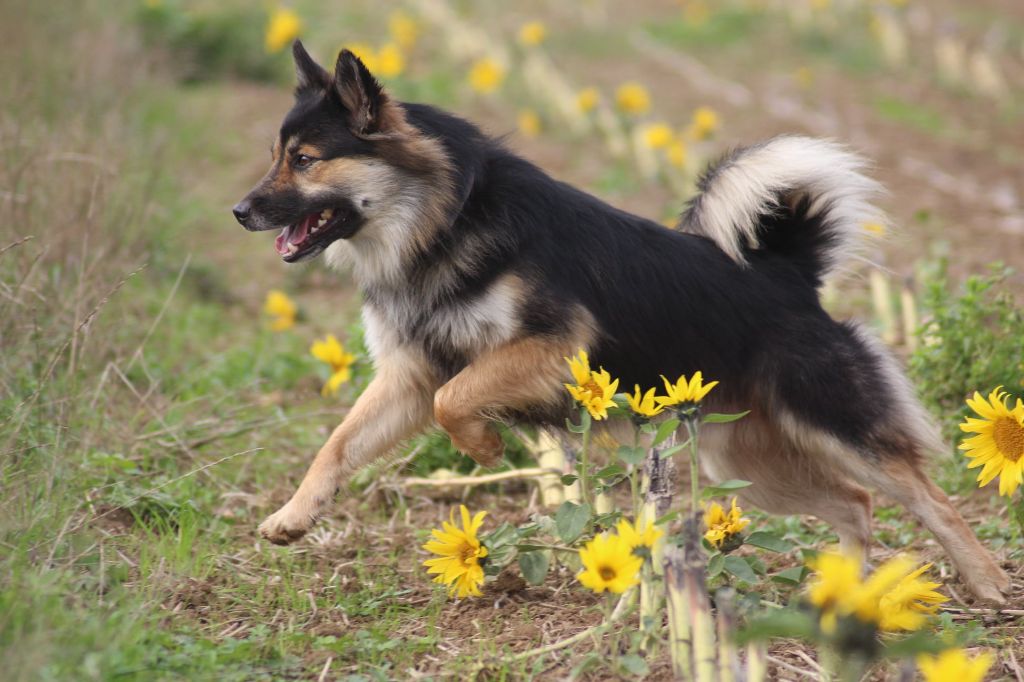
(156, 400)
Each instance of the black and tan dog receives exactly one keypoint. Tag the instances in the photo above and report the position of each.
(480, 273)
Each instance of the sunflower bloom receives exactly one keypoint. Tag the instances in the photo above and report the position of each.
(998, 446)
(283, 27)
(486, 75)
(390, 61)
(532, 33)
(280, 309)
(459, 553)
(643, 535)
(367, 55)
(908, 605)
(333, 353)
(704, 123)
(529, 123)
(723, 526)
(403, 29)
(593, 390)
(685, 392)
(632, 98)
(644, 405)
(953, 665)
(587, 99)
(609, 564)
(657, 135)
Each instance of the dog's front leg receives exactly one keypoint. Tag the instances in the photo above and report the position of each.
(395, 405)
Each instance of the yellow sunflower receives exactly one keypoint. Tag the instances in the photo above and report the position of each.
(609, 564)
(459, 553)
(593, 390)
(953, 665)
(685, 392)
(723, 526)
(908, 605)
(644, 405)
(280, 309)
(998, 446)
(333, 353)
(283, 26)
(642, 535)
(632, 98)
(587, 99)
(486, 75)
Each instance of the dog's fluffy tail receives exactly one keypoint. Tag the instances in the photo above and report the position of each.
(804, 198)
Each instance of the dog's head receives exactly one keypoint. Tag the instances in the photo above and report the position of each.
(345, 165)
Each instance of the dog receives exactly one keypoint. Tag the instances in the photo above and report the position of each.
(480, 273)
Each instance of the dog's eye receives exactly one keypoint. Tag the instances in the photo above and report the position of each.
(303, 161)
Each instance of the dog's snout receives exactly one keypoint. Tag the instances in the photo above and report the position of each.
(242, 211)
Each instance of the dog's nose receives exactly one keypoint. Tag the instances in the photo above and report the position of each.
(242, 210)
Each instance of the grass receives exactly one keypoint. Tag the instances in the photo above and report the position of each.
(148, 419)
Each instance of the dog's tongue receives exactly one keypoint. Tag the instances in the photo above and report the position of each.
(294, 234)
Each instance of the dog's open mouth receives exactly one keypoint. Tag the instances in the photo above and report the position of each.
(315, 232)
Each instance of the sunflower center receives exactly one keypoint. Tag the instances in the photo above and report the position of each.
(1009, 438)
(468, 555)
(594, 389)
(606, 573)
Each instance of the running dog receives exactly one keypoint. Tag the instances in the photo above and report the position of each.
(480, 274)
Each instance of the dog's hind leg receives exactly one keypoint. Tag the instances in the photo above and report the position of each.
(516, 376)
(394, 406)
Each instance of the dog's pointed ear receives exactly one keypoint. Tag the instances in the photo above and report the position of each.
(361, 95)
(311, 76)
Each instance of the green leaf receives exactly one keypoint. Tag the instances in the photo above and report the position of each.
(772, 543)
(716, 418)
(715, 565)
(790, 576)
(740, 568)
(498, 558)
(725, 487)
(781, 623)
(569, 479)
(667, 518)
(534, 566)
(634, 664)
(504, 534)
(668, 452)
(665, 429)
(571, 519)
(631, 455)
(921, 642)
(610, 471)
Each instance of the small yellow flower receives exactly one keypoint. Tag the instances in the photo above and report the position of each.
(632, 98)
(579, 365)
(596, 394)
(641, 535)
(676, 153)
(998, 446)
(657, 135)
(390, 61)
(367, 55)
(587, 99)
(953, 665)
(403, 29)
(704, 124)
(723, 526)
(333, 353)
(609, 564)
(283, 27)
(529, 123)
(645, 405)
(486, 75)
(685, 392)
(532, 33)
(281, 310)
(459, 553)
(907, 605)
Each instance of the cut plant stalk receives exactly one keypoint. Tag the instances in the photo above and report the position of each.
(757, 662)
(657, 492)
(550, 456)
(702, 624)
(679, 631)
(728, 657)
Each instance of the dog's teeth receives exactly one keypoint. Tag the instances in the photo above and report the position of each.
(292, 248)
(328, 212)
(314, 229)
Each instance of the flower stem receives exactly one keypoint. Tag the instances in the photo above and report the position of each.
(585, 463)
(693, 430)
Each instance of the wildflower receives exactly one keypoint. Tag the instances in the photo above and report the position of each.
(953, 665)
(390, 61)
(579, 365)
(532, 33)
(529, 123)
(644, 406)
(685, 392)
(281, 310)
(403, 29)
(283, 27)
(676, 153)
(704, 123)
(367, 55)
(486, 75)
(596, 393)
(587, 99)
(998, 446)
(723, 527)
(893, 598)
(632, 98)
(609, 564)
(643, 535)
(459, 553)
(333, 353)
(657, 135)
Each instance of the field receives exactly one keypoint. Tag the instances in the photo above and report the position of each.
(151, 416)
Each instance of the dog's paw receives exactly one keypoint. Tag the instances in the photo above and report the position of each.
(287, 525)
(993, 589)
